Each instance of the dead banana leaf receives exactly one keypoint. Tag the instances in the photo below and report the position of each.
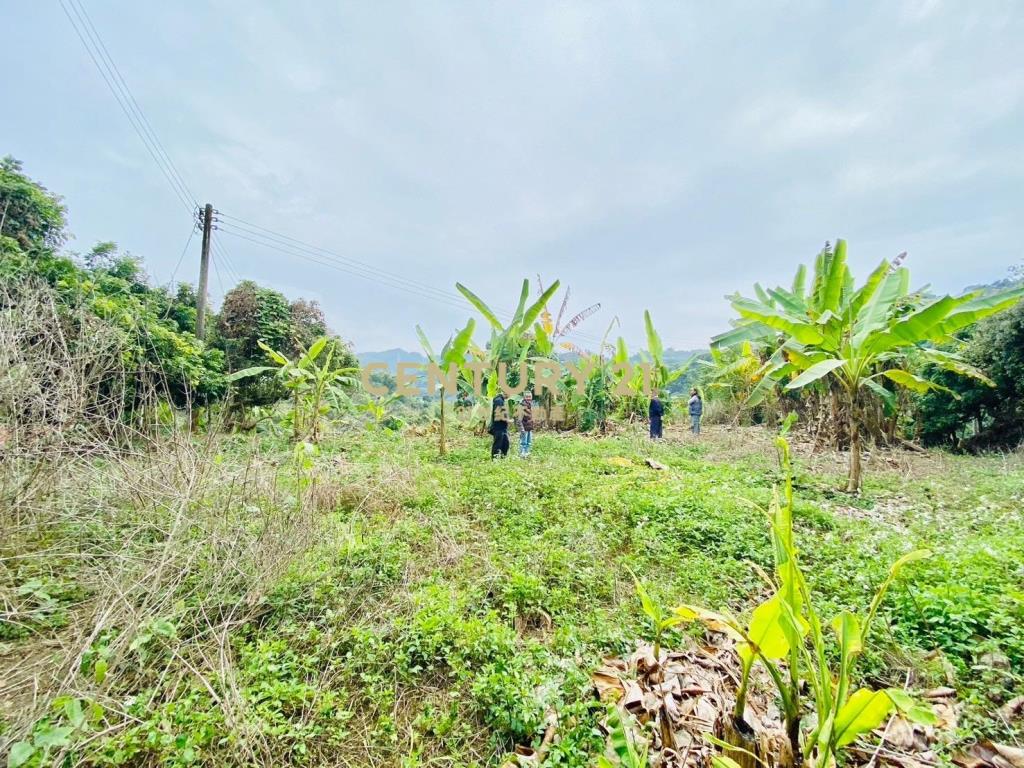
(986, 754)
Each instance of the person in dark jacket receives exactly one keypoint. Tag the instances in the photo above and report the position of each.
(526, 424)
(499, 427)
(654, 413)
(696, 411)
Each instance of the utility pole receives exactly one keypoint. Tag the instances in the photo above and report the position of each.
(204, 272)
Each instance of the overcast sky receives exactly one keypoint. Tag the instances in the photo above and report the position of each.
(650, 155)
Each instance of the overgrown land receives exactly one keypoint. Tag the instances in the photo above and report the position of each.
(223, 550)
(378, 605)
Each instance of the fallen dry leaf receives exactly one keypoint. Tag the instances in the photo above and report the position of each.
(1012, 709)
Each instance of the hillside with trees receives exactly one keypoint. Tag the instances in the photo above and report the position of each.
(233, 551)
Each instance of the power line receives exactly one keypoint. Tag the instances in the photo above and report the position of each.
(191, 234)
(148, 128)
(120, 97)
(216, 271)
(104, 62)
(265, 232)
(229, 267)
(291, 250)
(289, 245)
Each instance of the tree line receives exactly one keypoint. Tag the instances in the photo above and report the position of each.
(155, 325)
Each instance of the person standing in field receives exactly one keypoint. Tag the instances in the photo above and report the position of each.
(499, 427)
(654, 413)
(696, 410)
(526, 424)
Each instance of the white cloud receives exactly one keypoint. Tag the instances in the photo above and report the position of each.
(779, 122)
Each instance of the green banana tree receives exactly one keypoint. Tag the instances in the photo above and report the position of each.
(509, 344)
(856, 337)
(311, 381)
(735, 372)
(453, 354)
(661, 376)
(786, 635)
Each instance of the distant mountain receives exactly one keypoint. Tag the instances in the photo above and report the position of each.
(673, 357)
(1015, 279)
(676, 357)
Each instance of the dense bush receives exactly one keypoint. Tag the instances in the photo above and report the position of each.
(155, 328)
(973, 415)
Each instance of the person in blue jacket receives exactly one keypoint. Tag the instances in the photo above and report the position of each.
(654, 412)
(696, 410)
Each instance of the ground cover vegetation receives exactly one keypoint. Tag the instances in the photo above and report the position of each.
(222, 551)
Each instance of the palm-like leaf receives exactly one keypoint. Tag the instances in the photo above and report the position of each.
(481, 307)
(856, 335)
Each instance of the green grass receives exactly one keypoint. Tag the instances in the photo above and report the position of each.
(446, 605)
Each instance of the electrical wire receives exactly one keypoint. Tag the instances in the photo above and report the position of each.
(297, 252)
(123, 102)
(98, 52)
(292, 246)
(265, 232)
(144, 121)
(229, 268)
(216, 271)
(191, 234)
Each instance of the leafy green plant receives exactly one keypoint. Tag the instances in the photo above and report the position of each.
(452, 356)
(660, 621)
(623, 743)
(79, 716)
(661, 376)
(778, 630)
(856, 337)
(377, 407)
(310, 383)
(508, 343)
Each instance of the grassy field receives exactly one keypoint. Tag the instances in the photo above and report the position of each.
(373, 604)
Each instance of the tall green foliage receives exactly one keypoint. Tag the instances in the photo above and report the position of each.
(970, 414)
(159, 350)
(510, 344)
(856, 337)
(786, 636)
(451, 358)
(313, 381)
(29, 214)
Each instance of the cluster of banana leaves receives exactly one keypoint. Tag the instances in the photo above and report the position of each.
(858, 335)
(787, 636)
(315, 383)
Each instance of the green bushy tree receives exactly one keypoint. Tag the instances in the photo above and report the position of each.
(857, 338)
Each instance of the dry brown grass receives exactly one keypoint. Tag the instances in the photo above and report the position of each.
(143, 535)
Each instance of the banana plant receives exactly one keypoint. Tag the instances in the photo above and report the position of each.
(310, 382)
(737, 371)
(452, 355)
(623, 743)
(787, 627)
(509, 344)
(661, 376)
(507, 341)
(554, 326)
(377, 407)
(660, 620)
(856, 337)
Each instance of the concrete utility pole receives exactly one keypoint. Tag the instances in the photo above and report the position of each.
(204, 272)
